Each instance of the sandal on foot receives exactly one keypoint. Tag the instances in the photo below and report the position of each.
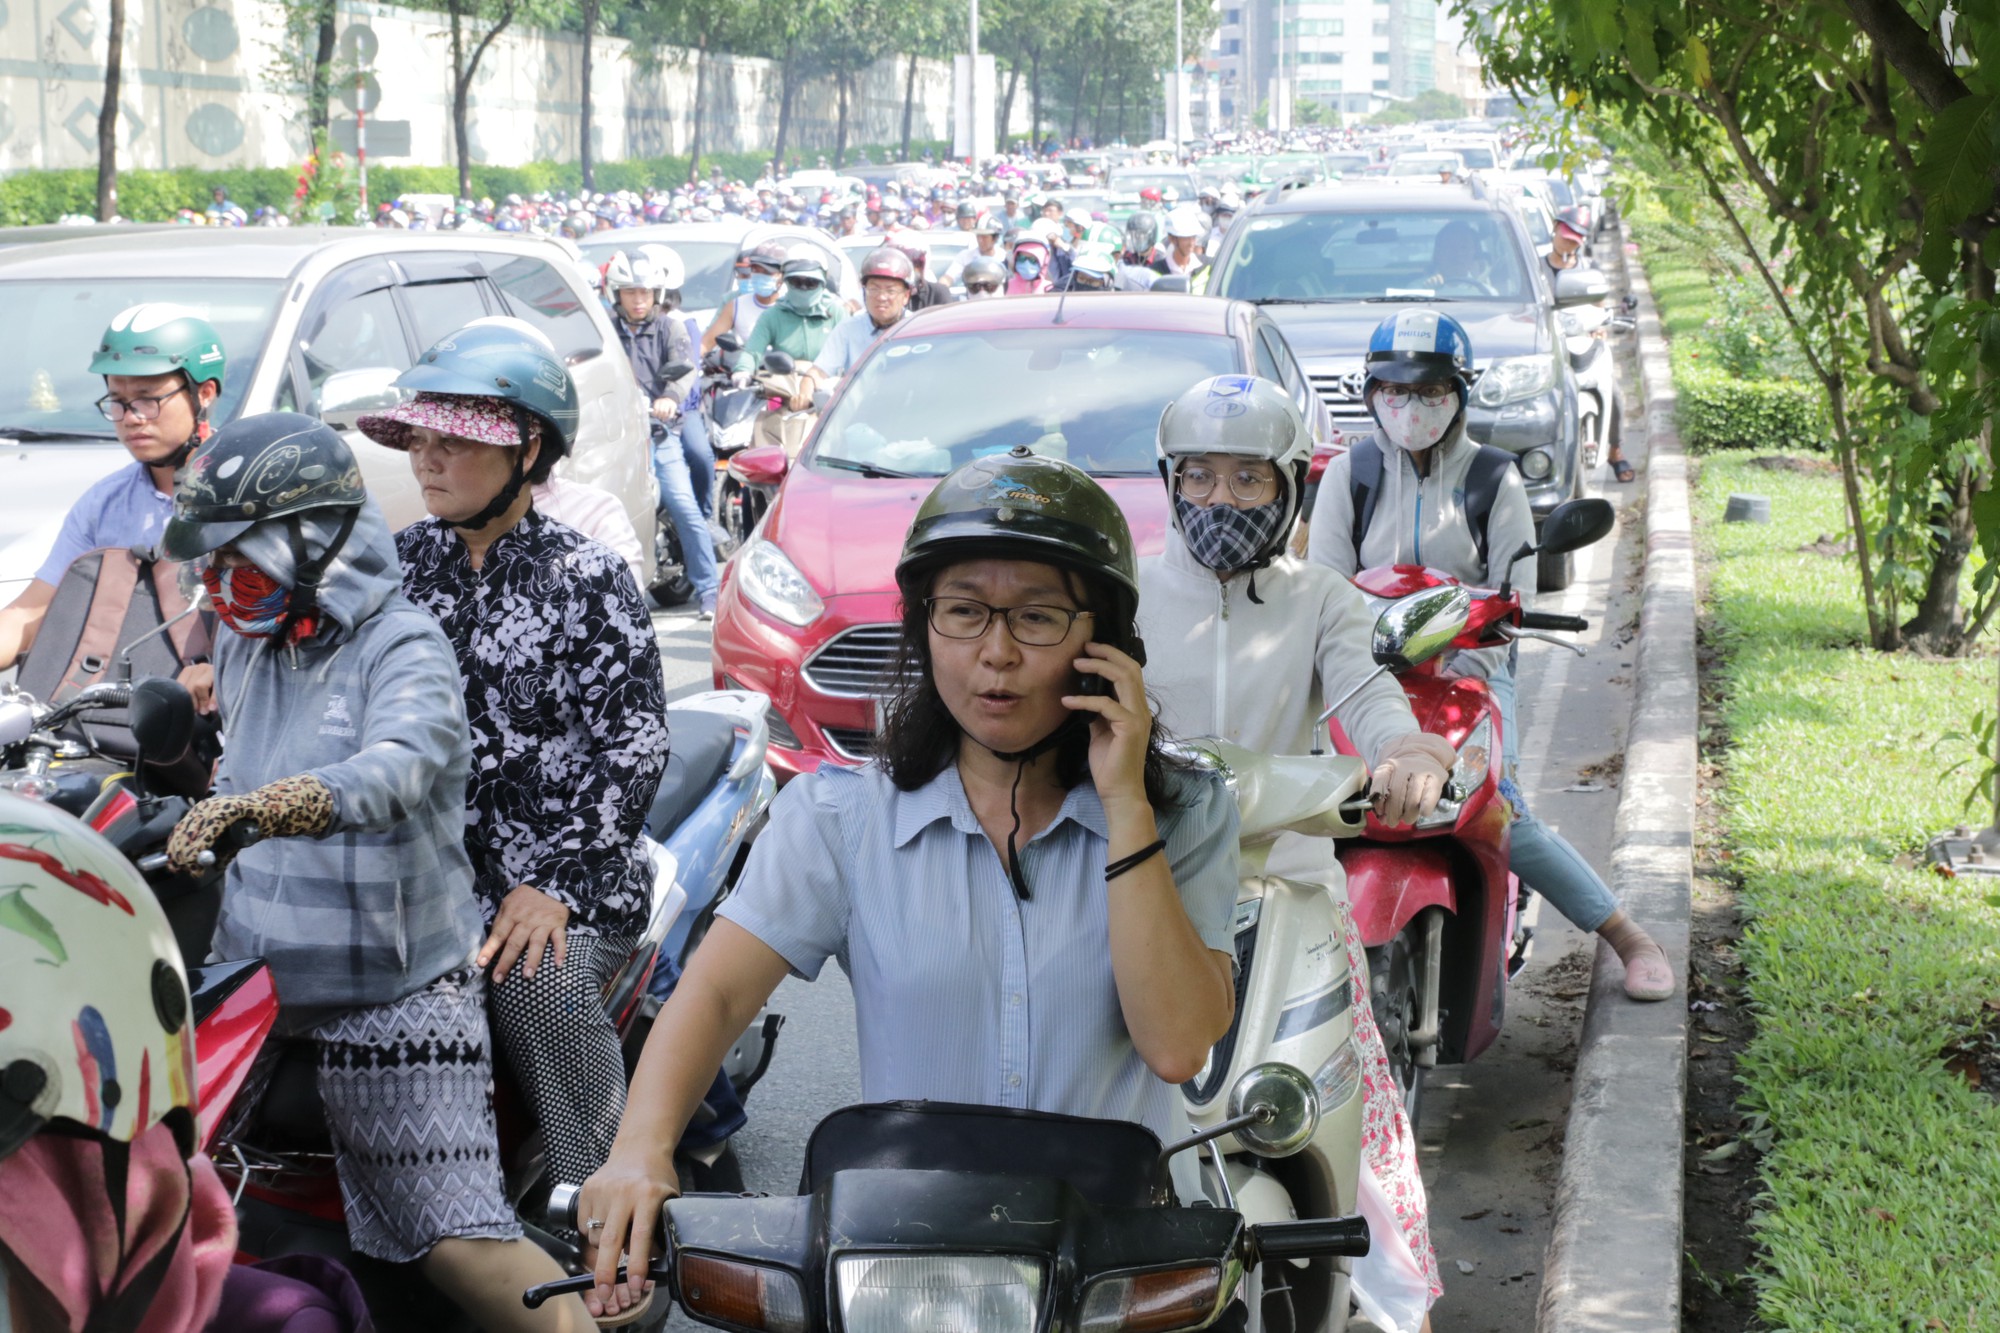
(1649, 976)
(1621, 469)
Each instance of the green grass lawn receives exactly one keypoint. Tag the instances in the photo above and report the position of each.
(1881, 1204)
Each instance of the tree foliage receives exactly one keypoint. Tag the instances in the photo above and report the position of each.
(1859, 136)
(1430, 104)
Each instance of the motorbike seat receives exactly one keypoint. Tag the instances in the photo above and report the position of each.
(702, 744)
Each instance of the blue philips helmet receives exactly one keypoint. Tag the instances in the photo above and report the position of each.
(1419, 347)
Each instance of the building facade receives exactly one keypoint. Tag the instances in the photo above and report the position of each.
(1349, 56)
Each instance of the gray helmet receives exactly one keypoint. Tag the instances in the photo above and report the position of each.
(984, 267)
(805, 266)
(1242, 416)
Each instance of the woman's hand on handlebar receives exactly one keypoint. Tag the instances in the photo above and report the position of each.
(625, 1196)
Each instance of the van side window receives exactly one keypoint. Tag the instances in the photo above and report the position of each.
(534, 291)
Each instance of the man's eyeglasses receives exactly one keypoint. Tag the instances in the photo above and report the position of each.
(139, 409)
(1429, 394)
(1198, 483)
(981, 288)
(1035, 626)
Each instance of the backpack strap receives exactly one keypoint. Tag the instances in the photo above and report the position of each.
(1364, 485)
(1489, 469)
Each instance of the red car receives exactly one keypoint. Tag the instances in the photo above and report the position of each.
(808, 611)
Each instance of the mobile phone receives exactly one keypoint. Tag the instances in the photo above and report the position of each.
(1094, 684)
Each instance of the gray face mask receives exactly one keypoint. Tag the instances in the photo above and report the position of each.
(1226, 538)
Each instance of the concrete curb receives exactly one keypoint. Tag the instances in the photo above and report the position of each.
(1614, 1257)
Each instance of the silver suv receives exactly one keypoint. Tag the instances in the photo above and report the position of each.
(1329, 263)
(314, 320)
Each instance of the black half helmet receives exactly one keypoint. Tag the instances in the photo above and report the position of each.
(257, 468)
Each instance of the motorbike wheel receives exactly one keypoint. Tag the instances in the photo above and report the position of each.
(1395, 993)
(1589, 435)
(671, 585)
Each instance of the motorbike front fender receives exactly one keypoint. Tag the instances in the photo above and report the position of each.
(1389, 883)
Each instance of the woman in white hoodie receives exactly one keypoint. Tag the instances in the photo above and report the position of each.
(1246, 641)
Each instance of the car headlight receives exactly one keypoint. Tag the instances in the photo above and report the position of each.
(1155, 1302)
(775, 586)
(1513, 378)
(893, 1293)
(1340, 1077)
(1468, 774)
(1536, 465)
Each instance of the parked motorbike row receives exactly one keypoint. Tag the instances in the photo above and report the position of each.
(927, 1215)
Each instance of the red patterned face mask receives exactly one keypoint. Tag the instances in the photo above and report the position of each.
(252, 603)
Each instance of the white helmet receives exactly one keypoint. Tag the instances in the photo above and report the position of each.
(1244, 416)
(1186, 220)
(627, 271)
(94, 1015)
(667, 260)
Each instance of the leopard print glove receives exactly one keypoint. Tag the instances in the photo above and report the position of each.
(298, 806)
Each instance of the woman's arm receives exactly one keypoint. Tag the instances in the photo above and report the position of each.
(727, 981)
(413, 719)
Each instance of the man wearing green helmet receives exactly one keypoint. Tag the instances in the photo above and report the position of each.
(162, 366)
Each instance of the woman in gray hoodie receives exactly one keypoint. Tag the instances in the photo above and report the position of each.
(348, 749)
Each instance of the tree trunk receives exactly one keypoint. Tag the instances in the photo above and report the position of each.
(1122, 75)
(840, 85)
(585, 156)
(107, 117)
(700, 100)
(1076, 98)
(1007, 102)
(909, 103)
(461, 88)
(1938, 624)
(1097, 112)
(1035, 102)
(320, 92)
(784, 112)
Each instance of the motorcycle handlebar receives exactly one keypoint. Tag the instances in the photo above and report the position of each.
(561, 1212)
(1311, 1238)
(1548, 620)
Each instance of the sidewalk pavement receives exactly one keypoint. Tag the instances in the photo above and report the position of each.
(1614, 1259)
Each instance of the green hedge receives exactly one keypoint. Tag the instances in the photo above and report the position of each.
(31, 197)
(1720, 410)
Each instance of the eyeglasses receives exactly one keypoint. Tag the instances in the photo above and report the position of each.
(1430, 394)
(139, 409)
(981, 288)
(1035, 626)
(1198, 483)
(804, 284)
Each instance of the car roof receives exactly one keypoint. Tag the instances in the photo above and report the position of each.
(1164, 311)
(1353, 196)
(241, 252)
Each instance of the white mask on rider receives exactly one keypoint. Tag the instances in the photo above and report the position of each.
(1415, 425)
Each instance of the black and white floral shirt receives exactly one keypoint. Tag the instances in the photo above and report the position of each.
(564, 692)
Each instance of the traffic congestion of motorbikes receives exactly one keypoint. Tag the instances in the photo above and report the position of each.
(1116, 682)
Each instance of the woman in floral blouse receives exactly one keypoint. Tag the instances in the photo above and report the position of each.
(567, 705)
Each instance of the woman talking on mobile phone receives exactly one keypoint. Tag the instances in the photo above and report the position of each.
(1031, 899)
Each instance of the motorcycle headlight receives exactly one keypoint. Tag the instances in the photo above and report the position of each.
(1156, 1302)
(1340, 1077)
(742, 1295)
(1468, 774)
(1513, 378)
(893, 1293)
(1536, 465)
(775, 586)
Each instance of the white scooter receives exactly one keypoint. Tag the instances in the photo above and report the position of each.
(1587, 334)
(1293, 1007)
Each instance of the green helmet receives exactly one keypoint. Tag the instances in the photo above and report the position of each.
(263, 467)
(1020, 506)
(158, 338)
(494, 360)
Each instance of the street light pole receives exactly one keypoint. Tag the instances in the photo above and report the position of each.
(1180, 86)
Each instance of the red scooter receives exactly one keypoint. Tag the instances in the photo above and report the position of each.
(1436, 905)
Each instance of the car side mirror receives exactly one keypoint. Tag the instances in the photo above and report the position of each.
(161, 719)
(1581, 286)
(1171, 282)
(348, 394)
(1575, 524)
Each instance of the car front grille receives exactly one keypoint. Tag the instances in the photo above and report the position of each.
(856, 663)
(856, 743)
(1342, 395)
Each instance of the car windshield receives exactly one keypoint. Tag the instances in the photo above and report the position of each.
(1374, 256)
(711, 268)
(1131, 182)
(1476, 157)
(53, 326)
(922, 406)
(1424, 164)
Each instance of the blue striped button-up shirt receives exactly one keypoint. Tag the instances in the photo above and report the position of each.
(963, 992)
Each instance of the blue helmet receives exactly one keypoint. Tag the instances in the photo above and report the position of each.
(1419, 346)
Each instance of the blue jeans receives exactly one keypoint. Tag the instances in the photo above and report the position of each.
(679, 494)
(700, 458)
(1542, 858)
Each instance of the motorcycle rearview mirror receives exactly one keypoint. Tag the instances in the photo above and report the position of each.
(1575, 524)
(1281, 1107)
(161, 718)
(674, 370)
(1418, 627)
(780, 362)
(731, 343)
